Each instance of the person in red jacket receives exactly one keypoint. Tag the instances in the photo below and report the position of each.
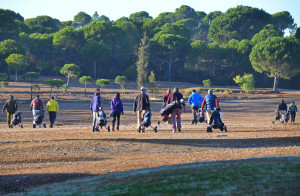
(36, 107)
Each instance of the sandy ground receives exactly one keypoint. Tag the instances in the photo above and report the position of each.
(31, 157)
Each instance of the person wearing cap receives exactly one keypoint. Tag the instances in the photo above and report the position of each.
(195, 100)
(282, 108)
(293, 109)
(11, 107)
(211, 102)
(52, 107)
(177, 111)
(141, 105)
(94, 106)
(36, 107)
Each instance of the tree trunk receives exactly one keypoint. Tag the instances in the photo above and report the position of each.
(68, 80)
(56, 92)
(16, 75)
(50, 92)
(95, 70)
(85, 90)
(275, 85)
(8, 74)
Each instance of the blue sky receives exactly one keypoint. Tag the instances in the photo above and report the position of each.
(114, 9)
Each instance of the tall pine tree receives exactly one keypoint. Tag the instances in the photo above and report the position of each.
(143, 62)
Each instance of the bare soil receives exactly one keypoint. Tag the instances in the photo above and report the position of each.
(31, 157)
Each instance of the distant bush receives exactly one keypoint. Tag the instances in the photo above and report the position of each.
(246, 82)
(206, 83)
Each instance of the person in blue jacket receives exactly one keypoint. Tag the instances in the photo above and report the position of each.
(195, 100)
(212, 104)
(95, 104)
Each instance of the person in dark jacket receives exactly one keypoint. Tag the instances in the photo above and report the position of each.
(293, 109)
(117, 109)
(95, 104)
(141, 105)
(36, 107)
(211, 102)
(282, 108)
(177, 111)
(11, 107)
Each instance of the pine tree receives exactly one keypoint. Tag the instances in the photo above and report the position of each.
(143, 62)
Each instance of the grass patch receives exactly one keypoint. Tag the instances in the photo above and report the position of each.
(275, 176)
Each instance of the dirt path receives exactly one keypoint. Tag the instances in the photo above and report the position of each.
(31, 157)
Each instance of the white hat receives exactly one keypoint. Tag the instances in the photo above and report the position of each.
(143, 88)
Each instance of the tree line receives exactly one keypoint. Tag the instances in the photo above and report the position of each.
(184, 45)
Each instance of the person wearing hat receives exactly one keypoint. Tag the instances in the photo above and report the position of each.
(95, 105)
(36, 107)
(211, 102)
(195, 100)
(293, 109)
(177, 111)
(141, 105)
(11, 107)
(52, 107)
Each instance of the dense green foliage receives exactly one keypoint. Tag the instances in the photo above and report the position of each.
(86, 80)
(70, 71)
(102, 82)
(246, 82)
(278, 57)
(54, 83)
(184, 45)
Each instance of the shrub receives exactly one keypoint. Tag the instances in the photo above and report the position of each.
(206, 83)
(246, 82)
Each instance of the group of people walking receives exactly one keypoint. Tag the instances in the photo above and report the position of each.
(140, 107)
(284, 111)
(36, 107)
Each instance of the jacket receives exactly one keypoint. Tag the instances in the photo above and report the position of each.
(36, 104)
(211, 102)
(11, 106)
(176, 96)
(141, 102)
(293, 108)
(166, 97)
(282, 106)
(116, 105)
(96, 102)
(195, 99)
(52, 106)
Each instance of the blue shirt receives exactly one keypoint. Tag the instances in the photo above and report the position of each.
(195, 99)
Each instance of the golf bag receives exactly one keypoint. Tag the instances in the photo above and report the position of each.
(40, 117)
(168, 109)
(101, 120)
(17, 119)
(287, 117)
(216, 122)
(277, 115)
(146, 122)
(201, 116)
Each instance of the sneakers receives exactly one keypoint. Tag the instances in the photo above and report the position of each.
(179, 129)
(117, 128)
(174, 131)
(113, 129)
(139, 129)
(51, 125)
(93, 129)
(34, 126)
(44, 125)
